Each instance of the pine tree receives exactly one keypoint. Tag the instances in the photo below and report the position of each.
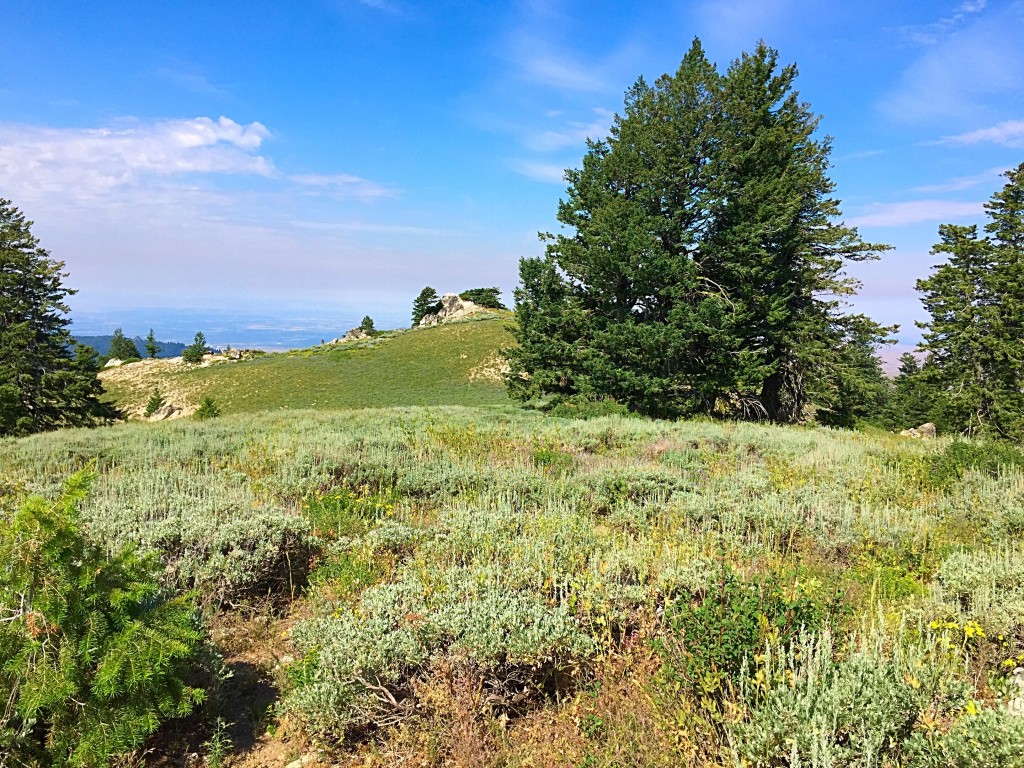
(122, 348)
(42, 385)
(155, 403)
(207, 410)
(484, 297)
(701, 244)
(95, 654)
(194, 352)
(427, 302)
(975, 336)
(366, 325)
(152, 347)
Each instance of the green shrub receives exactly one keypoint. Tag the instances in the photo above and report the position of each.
(988, 739)
(93, 653)
(709, 644)
(155, 403)
(194, 352)
(207, 410)
(811, 707)
(580, 407)
(986, 456)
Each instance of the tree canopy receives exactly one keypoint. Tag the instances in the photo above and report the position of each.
(484, 297)
(121, 347)
(974, 339)
(427, 302)
(701, 270)
(45, 383)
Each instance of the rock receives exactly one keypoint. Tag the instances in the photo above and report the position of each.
(355, 334)
(304, 760)
(166, 411)
(114, 362)
(1016, 705)
(926, 430)
(234, 354)
(452, 308)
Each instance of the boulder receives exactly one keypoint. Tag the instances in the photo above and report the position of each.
(166, 411)
(452, 308)
(114, 362)
(1016, 691)
(926, 430)
(355, 334)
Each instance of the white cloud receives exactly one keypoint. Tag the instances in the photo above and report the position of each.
(965, 70)
(914, 212)
(573, 135)
(85, 164)
(1009, 133)
(962, 182)
(551, 173)
(344, 185)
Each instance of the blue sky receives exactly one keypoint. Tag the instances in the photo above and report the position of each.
(276, 171)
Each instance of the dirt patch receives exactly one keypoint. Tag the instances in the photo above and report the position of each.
(133, 383)
(492, 369)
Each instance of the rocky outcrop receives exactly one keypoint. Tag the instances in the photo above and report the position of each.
(167, 411)
(452, 308)
(926, 430)
(114, 362)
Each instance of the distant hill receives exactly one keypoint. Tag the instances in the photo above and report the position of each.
(102, 345)
(457, 363)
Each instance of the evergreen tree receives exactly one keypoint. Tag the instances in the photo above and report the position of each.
(207, 410)
(914, 400)
(366, 325)
(42, 384)
(974, 338)
(484, 297)
(95, 654)
(426, 303)
(152, 347)
(701, 245)
(121, 347)
(155, 403)
(194, 352)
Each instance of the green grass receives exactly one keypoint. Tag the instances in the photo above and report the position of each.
(430, 366)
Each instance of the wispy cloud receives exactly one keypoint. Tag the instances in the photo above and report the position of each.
(936, 31)
(914, 212)
(344, 185)
(573, 134)
(182, 77)
(386, 6)
(550, 173)
(960, 71)
(962, 182)
(1009, 133)
(85, 163)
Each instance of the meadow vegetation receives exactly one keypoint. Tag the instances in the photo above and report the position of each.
(502, 587)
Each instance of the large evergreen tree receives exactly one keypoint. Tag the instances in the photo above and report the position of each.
(975, 337)
(702, 265)
(121, 347)
(43, 383)
(424, 304)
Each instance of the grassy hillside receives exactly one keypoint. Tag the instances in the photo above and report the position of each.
(485, 587)
(454, 364)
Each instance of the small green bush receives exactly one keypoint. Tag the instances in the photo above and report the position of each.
(988, 739)
(93, 654)
(580, 407)
(207, 410)
(710, 643)
(155, 403)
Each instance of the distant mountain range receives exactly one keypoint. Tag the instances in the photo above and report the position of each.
(102, 345)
